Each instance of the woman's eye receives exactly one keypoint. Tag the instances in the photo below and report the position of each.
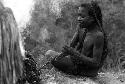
(79, 14)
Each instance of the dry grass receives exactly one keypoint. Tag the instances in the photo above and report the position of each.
(10, 54)
(53, 76)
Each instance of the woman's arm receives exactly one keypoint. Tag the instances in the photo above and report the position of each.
(74, 40)
(97, 53)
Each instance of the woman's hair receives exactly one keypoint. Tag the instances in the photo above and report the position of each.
(95, 11)
(10, 53)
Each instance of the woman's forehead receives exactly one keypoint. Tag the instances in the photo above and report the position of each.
(82, 10)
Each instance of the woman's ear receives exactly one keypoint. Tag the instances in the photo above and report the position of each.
(59, 21)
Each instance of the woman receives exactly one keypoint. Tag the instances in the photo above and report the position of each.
(87, 50)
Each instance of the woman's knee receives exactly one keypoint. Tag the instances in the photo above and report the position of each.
(51, 54)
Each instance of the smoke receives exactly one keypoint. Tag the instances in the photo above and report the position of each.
(21, 10)
(57, 5)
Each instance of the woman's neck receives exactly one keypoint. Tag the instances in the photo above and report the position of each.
(93, 28)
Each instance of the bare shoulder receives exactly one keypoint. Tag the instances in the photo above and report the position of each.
(99, 38)
(99, 35)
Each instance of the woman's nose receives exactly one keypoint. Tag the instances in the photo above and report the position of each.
(80, 18)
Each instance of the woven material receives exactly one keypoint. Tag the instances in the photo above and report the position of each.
(10, 54)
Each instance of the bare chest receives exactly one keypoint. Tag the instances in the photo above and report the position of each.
(88, 43)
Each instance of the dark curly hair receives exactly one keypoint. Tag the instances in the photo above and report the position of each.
(95, 11)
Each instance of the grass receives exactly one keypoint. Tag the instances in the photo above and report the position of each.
(53, 76)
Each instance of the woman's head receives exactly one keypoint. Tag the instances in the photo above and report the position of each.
(90, 10)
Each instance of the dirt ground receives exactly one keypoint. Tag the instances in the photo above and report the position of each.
(56, 77)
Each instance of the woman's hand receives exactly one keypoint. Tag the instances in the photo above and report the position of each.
(68, 50)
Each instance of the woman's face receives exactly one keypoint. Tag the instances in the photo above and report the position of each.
(82, 13)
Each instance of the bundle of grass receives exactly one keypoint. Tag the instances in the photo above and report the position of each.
(10, 51)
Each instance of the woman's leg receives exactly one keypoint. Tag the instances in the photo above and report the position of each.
(50, 54)
(65, 65)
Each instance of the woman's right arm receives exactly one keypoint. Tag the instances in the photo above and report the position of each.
(74, 40)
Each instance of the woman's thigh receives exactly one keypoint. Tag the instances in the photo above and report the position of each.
(65, 64)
